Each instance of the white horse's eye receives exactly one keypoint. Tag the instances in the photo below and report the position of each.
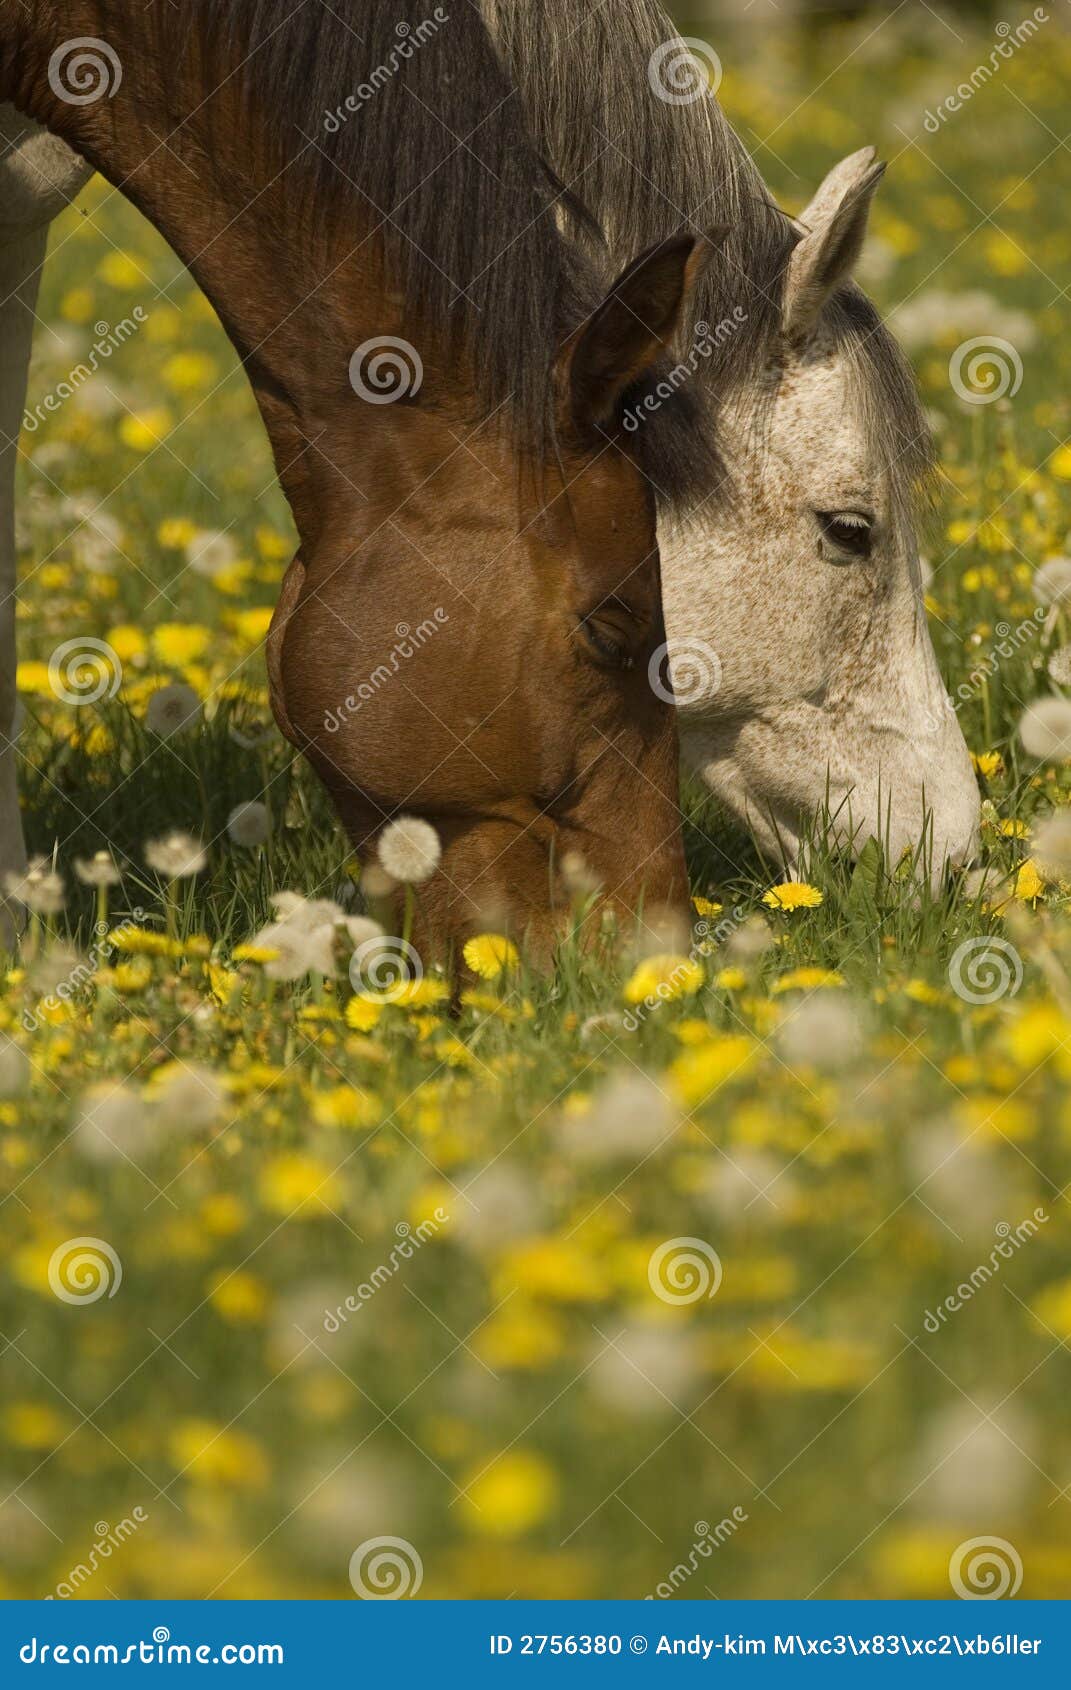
(848, 532)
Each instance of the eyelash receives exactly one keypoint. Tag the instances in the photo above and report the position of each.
(608, 649)
(849, 532)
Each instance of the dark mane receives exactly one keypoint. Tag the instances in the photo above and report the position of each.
(646, 167)
(428, 134)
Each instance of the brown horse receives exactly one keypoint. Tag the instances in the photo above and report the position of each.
(443, 390)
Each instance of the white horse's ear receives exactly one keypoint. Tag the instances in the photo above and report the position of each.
(834, 228)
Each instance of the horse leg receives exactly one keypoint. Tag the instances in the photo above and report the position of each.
(39, 175)
(20, 269)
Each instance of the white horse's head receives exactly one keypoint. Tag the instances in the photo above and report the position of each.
(799, 650)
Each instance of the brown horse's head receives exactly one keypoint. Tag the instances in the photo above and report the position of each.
(472, 640)
(468, 631)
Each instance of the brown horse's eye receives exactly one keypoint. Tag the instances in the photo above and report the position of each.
(849, 534)
(612, 634)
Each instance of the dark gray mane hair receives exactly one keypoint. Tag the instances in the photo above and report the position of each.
(646, 167)
(418, 127)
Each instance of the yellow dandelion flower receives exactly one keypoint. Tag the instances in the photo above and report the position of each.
(807, 980)
(222, 1214)
(251, 626)
(34, 1425)
(1053, 1307)
(521, 1335)
(120, 270)
(240, 1298)
(297, 1185)
(175, 533)
(179, 643)
(1060, 462)
(255, 953)
(273, 545)
(78, 305)
(189, 372)
(217, 1456)
(700, 1072)
(792, 895)
(142, 941)
(705, 908)
(665, 978)
(343, 1106)
(33, 677)
(364, 1014)
(511, 1496)
(144, 430)
(491, 954)
(1029, 885)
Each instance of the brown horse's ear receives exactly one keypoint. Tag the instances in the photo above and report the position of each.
(633, 326)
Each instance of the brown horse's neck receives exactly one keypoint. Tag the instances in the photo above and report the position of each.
(296, 295)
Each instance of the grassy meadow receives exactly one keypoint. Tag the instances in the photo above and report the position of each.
(648, 1264)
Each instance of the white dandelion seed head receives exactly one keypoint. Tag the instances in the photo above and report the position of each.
(376, 883)
(631, 1117)
(249, 824)
(306, 913)
(751, 1181)
(1060, 666)
(40, 889)
(1045, 729)
(189, 1099)
(748, 942)
(59, 964)
(496, 1206)
(210, 552)
(971, 1468)
(360, 929)
(299, 949)
(1051, 846)
(98, 870)
(1052, 582)
(172, 710)
(663, 932)
(989, 886)
(578, 878)
(177, 856)
(646, 1372)
(410, 849)
(111, 1125)
(825, 1031)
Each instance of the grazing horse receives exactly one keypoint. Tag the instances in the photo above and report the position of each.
(444, 381)
(801, 659)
